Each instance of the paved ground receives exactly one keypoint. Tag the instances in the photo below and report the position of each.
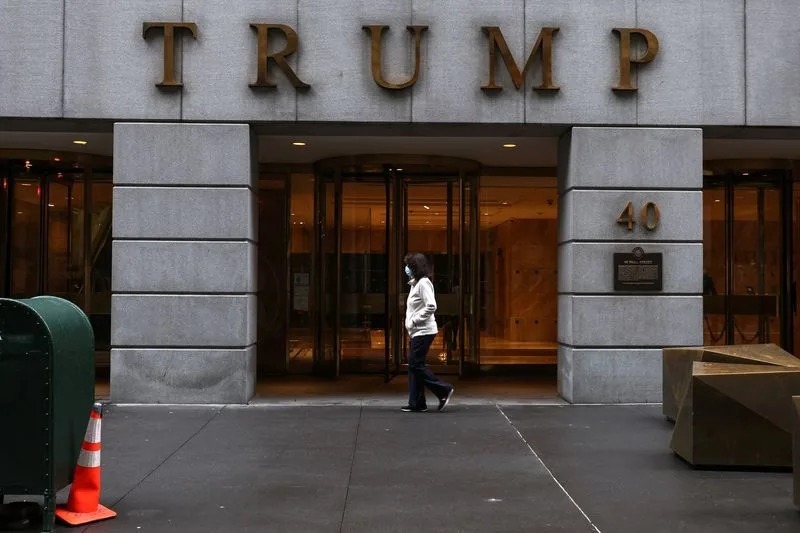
(367, 467)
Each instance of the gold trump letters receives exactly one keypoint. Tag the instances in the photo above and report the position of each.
(376, 61)
(543, 49)
(543, 46)
(264, 57)
(625, 59)
(169, 47)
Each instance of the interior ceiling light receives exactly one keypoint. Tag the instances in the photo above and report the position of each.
(298, 143)
(80, 142)
(509, 145)
(426, 207)
(57, 159)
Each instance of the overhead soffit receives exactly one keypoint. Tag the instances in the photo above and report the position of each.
(489, 151)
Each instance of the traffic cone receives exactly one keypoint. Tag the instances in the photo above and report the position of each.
(83, 505)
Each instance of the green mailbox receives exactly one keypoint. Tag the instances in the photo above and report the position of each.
(46, 395)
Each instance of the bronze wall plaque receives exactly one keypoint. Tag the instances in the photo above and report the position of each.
(638, 271)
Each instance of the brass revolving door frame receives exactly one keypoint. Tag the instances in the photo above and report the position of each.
(396, 172)
(727, 175)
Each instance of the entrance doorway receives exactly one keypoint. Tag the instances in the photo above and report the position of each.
(371, 211)
(55, 232)
(337, 305)
(750, 255)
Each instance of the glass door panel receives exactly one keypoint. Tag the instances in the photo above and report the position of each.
(428, 230)
(4, 184)
(326, 359)
(795, 262)
(369, 216)
(715, 252)
(469, 232)
(755, 280)
(302, 228)
(26, 227)
(746, 272)
(58, 239)
(363, 277)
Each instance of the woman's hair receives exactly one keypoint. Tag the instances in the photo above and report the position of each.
(419, 265)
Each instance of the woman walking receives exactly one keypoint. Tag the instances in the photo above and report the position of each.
(421, 327)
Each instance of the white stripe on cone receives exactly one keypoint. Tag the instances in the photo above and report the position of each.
(93, 431)
(89, 459)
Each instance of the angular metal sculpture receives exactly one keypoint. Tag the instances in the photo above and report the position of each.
(677, 366)
(796, 449)
(737, 415)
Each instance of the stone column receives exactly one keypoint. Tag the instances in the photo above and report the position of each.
(183, 310)
(610, 341)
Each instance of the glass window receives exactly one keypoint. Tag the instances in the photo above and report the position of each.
(76, 251)
(58, 239)
(301, 340)
(100, 247)
(25, 237)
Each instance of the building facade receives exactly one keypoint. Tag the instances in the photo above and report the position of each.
(228, 189)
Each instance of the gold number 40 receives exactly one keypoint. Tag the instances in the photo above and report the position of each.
(650, 217)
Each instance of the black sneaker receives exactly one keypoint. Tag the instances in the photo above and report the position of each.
(409, 409)
(444, 401)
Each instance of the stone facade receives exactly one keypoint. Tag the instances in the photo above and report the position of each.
(609, 341)
(718, 63)
(183, 317)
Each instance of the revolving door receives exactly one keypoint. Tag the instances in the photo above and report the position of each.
(370, 211)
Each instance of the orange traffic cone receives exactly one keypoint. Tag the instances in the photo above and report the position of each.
(83, 505)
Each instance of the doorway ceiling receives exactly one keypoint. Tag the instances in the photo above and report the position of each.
(489, 151)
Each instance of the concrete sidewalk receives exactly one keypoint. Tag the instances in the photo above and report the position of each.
(372, 468)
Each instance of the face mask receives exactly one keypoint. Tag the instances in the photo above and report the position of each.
(408, 272)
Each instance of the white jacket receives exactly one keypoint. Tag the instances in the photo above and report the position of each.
(420, 309)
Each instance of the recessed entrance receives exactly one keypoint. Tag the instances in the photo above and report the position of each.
(491, 238)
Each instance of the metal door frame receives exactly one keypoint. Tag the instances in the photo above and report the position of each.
(396, 202)
(779, 179)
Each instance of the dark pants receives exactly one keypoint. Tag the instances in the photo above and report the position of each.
(419, 376)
